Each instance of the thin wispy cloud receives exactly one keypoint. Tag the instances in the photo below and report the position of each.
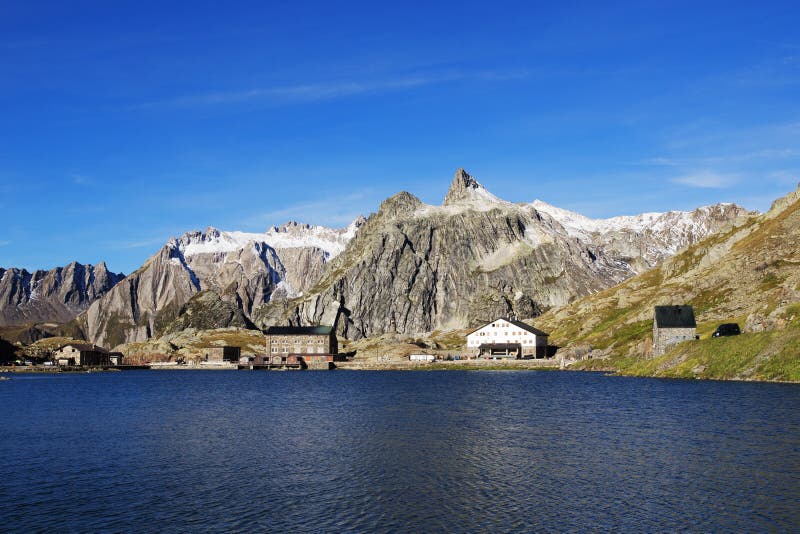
(709, 135)
(659, 162)
(81, 180)
(309, 92)
(151, 242)
(779, 71)
(321, 211)
(706, 179)
(768, 154)
(786, 176)
(4, 243)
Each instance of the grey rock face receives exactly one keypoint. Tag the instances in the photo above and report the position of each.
(57, 295)
(463, 188)
(207, 311)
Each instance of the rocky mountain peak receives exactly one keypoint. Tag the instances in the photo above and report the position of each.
(291, 227)
(212, 232)
(57, 295)
(463, 187)
(782, 203)
(399, 203)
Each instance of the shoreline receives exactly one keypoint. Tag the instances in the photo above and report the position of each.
(458, 365)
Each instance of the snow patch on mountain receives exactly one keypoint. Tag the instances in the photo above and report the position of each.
(474, 199)
(578, 225)
(291, 235)
(671, 222)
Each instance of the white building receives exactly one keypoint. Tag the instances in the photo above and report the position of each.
(507, 338)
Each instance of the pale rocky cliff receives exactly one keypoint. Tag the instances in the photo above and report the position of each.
(57, 295)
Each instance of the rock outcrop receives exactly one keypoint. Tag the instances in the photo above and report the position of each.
(207, 311)
(57, 295)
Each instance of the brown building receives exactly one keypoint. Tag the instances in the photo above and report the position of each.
(81, 354)
(311, 343)
(671, 325)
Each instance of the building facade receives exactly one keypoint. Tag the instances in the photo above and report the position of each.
(81, 354)
(672, 325)
(312, 343)
(508, 338)
(222, 354)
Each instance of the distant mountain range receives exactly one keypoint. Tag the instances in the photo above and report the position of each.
(410, 267)
(57, 295)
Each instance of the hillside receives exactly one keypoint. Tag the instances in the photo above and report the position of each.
(749, 274)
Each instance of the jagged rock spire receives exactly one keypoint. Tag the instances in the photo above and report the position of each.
(461, 187)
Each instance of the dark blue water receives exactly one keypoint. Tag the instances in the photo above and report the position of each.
(396, 451)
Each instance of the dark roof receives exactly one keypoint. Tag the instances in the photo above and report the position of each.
(527, 327)
(83, 347)
(299, 330)
(500, 346)
(520, 324)
(675, 317)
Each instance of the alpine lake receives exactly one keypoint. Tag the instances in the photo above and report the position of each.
(370, 451)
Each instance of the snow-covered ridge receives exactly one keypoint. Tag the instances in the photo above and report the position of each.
(291, 235)
(578, 225)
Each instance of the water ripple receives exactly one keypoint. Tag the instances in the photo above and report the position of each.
(397, 452)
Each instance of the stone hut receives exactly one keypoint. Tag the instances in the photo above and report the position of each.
(671, 325)
(81, 354)
(222, 354)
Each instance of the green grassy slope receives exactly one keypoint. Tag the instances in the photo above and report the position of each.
(749, 274)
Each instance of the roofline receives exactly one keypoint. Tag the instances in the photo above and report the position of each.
(304, 330)
(520, 324)
(95, 348)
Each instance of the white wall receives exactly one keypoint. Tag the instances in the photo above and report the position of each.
(501, 331)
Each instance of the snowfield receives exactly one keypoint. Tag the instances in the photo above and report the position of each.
(291, 235)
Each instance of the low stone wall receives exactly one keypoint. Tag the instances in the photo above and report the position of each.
(400, 365)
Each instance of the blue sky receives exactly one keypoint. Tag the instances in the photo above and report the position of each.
(124, 123)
